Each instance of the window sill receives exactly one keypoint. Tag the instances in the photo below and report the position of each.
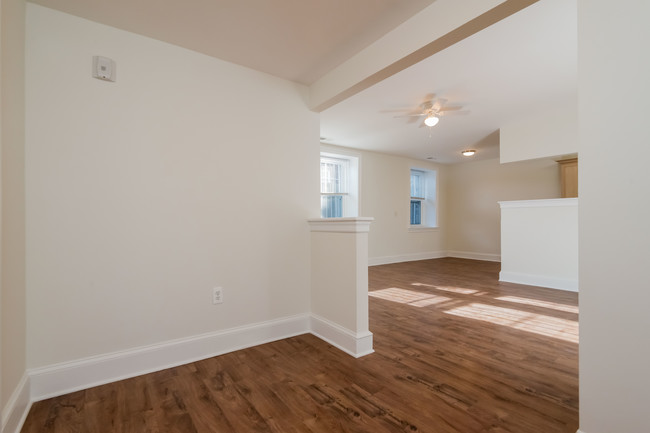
(416, 229)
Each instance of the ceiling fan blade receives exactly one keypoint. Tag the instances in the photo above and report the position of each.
(438, 104)
(453, 113)
(429, 97)
(456, 108)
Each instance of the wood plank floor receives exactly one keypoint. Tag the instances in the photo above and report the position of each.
(456, 352)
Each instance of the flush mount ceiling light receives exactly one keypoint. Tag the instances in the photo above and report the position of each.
(468, 152)
(431, 120)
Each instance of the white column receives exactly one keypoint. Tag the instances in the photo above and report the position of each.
(339, 283)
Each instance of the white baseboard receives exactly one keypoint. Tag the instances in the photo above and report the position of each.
(475, 256)
(355, 344)
(567, 284)
(17, 407)
(580, 431)
(72, 376)
(374, 261)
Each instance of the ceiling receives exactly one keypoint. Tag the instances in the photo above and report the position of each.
(512, 69)
(293, 39)
(515, 68)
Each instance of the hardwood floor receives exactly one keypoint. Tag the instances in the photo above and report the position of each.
(455, 351)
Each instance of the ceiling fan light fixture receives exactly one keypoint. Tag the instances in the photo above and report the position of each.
(468, 152)
(431, 120)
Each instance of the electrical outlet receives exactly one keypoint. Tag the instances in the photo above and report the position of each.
(217, 295)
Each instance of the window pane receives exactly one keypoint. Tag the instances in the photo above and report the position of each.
(333, 173)
(416, 212)
(331, 206)
(417, 183)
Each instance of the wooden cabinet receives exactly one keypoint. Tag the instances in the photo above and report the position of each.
(569, 177)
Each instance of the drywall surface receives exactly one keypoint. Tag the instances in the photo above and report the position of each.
(435, 21)
(385, 196)
(12, 127)
(539, 242)
(474, 190)
(551, 132)
(614, 239)
(145, 193)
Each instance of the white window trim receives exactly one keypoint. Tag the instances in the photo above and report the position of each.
(351, 199)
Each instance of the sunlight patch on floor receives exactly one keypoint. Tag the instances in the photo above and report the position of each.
(538, 303)
(409, 297)
(548, 326)
(459, 290)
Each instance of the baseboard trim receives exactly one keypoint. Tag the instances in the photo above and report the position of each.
(570, 285)
(354, 344)
(580, 431)
(15, 411)
(475, 256)
(386, 260)
(63, 378)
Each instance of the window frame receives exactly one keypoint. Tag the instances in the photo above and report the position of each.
(349, 184)
(427, 199)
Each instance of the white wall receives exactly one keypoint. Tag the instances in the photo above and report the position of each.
(551, 132)
(539, 243)
(384, 195)
(474, 188)
(614, 238)
(145, 193)
(12, 265)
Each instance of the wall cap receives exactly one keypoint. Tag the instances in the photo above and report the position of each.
(341, 225)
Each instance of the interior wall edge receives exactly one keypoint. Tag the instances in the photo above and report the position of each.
(15, 411)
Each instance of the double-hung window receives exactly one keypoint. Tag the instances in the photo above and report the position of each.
(417, 196)
(423, 212)
(338, 186)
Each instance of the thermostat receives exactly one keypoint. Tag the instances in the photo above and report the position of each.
(103, 68)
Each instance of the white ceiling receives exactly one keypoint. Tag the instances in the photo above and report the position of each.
(524, 63)
(520, 65)
(297, 40)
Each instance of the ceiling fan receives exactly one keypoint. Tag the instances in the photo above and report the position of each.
(432, 109)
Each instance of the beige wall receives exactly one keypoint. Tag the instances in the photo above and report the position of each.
(474, 188)
(551, 132)
(614, 238)
(145, 193)
(12, 124)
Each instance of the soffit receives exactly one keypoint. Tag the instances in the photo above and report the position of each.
(293, 39)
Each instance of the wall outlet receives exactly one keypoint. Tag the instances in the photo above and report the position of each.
(217, 295)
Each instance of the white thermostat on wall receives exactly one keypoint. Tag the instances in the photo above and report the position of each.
(103, 68)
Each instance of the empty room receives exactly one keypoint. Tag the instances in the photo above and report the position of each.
(173, 262)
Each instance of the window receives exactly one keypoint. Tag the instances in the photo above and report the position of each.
(338, 185)
(423, 212)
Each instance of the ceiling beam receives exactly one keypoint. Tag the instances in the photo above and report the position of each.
(451, 22)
